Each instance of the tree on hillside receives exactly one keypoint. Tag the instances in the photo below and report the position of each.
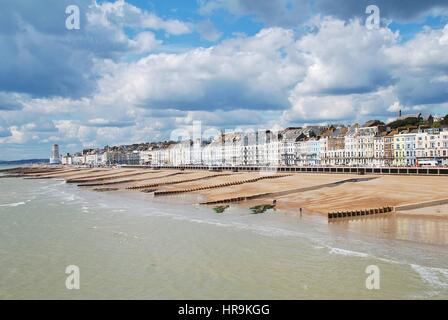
(445, 120)
(411, 121)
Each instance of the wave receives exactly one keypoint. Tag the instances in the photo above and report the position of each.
(16, 204)
(348, 253)
(259, 229)
(434, 276)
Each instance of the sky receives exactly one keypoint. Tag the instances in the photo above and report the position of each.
(139, 70)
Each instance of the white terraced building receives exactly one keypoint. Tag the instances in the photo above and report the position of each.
(288, 145)
(273, 149)
(145, 157)
(251, 156)
(79, 159)
(332, 146)
(371, 146)
(196, 152)
(432, 144)
(378, 146)
(67, 159)
(213, 153)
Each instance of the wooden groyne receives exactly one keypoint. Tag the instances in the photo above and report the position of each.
(51, 174)
(59, 174)
(11, 176)
(235, 199)
(152, 185)
(221, 185)
(93, 176)
(286, 192)
(31, 170)
(107, 177)
(359, 213)
(109, 183)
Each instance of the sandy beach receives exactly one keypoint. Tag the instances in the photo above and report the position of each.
(315, 193)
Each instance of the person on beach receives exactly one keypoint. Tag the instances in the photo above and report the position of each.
(300, 212)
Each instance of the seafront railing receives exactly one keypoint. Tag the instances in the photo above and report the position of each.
(434, 171)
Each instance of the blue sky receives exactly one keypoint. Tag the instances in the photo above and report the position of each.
(137, 70)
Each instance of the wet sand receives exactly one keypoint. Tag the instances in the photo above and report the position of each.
(316, 193)
(380, 192)
(435, 211)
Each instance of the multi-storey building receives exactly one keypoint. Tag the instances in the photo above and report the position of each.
(432, 144)
(213, 152)
(301, 151)
(405, 148)
(262, 147)
(183, 153)
(146, 157)
(288, 145)
(409, 147)
(113, 157)
(79, 159)
(54, 157)
(160, 156)
(233, 149)
(67, 159)
(399, 155)
(332, 146)
(351, 146)
(370, 145)
(313, 151)
(364, 145)
(273, 148)
(249, 149)
(378, 146)
(196, 152)
(389, 148)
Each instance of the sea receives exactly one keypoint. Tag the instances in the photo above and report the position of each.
(129, 245)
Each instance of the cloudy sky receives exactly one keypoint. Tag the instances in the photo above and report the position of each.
(138, 69)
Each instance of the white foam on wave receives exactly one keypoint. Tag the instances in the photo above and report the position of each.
(16, 204)
(348, 253)
(434, 276)
(259, 229)
(69, 198)
(270, 231)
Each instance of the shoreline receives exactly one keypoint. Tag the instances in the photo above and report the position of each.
(312, 192)
(118, 235)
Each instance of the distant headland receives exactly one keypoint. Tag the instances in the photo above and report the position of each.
(23, 161)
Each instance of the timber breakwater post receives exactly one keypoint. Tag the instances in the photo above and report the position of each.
(158, 184)
(332, 216)
(221, 185)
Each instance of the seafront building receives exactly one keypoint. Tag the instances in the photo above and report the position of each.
(432, 143)
(372, 144)
(332, 146)
(54, 157)
(388, 139)
(67, 159)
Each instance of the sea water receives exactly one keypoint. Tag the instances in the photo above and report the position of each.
(129, 245)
